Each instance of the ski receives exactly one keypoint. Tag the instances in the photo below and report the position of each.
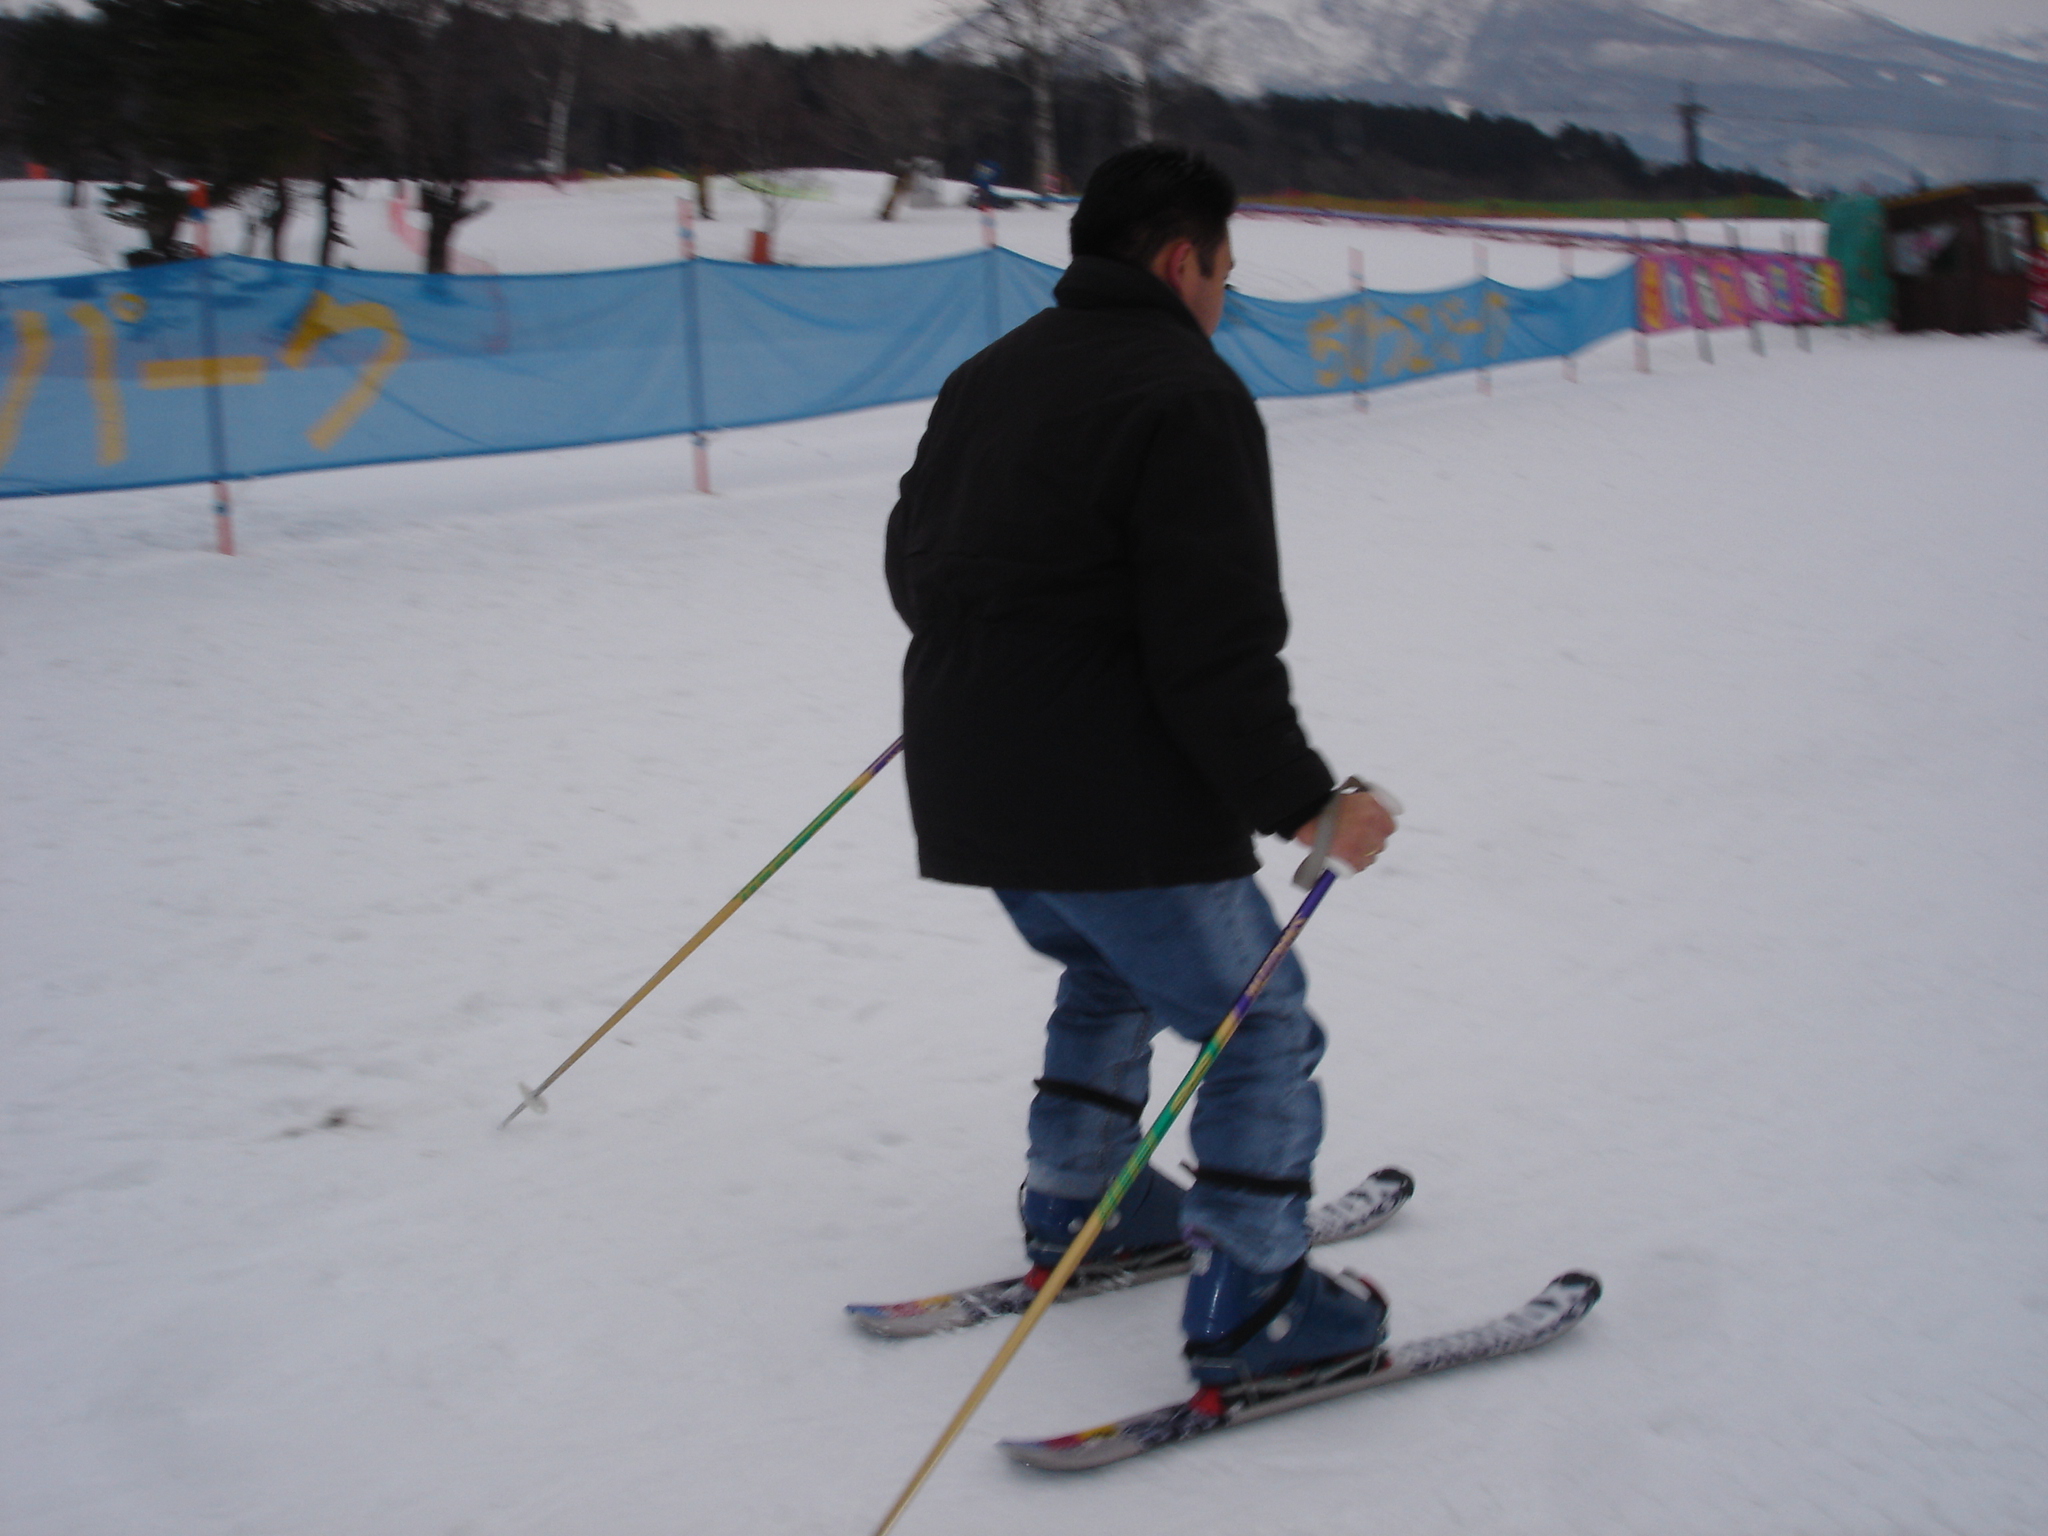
(1548, 1315)
(1352, 1214)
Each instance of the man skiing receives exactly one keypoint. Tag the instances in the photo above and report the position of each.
(1097, 722)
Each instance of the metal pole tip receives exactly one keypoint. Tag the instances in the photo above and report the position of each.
(528, 1099)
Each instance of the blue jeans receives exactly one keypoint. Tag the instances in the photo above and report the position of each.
(1176, 958)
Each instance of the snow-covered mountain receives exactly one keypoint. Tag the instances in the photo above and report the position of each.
(1816, 92)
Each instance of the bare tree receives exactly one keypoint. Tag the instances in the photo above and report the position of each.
(1031, 37)
(276, 213)
(332, 191)
(430, 69)
(1148, 34)
(563, 96)
(563, 26)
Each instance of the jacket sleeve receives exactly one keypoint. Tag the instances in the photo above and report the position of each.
(1206, 566)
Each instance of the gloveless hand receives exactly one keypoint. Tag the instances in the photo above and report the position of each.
(1363, 827)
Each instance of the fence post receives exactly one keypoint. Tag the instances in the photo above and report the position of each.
(1642, 336)
(1704, 341)
(1479, 270)
(992, 298)
(693, 346)
(1799, 326)
(1564, 266)
(1732, 233)
(200, 198)
(216, 418)
(1360, 335)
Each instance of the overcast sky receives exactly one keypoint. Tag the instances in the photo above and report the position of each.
(900, 23)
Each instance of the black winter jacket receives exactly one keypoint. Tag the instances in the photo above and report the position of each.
(1093, 697)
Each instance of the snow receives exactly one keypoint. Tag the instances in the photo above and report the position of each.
(1708, 958)
(632, 221)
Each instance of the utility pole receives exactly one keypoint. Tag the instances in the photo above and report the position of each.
(1689, 114)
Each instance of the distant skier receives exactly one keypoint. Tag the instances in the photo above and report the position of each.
(984, 195)
(1097, 721)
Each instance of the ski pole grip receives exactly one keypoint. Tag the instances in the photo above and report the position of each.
(1320, 858)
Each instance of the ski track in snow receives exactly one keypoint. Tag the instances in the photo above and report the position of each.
(1708, 958)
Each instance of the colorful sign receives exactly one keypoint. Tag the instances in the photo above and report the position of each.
(1712, 292)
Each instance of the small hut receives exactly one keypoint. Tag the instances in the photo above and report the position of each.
(1959, 255)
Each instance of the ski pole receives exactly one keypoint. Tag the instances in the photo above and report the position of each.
(1113, 1196)
(530, 1098)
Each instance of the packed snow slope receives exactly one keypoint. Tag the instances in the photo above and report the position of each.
(1709, 957)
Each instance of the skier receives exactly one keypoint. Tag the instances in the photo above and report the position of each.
(1097, 721)
(984, 195)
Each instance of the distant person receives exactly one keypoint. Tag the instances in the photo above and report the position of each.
(986, 173)
(1097, 722)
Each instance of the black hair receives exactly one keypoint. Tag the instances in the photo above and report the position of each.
(1141, 200)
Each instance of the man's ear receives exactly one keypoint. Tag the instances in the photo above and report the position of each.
(1171, 260)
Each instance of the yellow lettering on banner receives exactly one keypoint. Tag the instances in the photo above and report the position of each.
(196, 372)
(1496, 305)
(32, 330)
(1323, 340)
(1332, 336)
(1405, 359)
(324, 318)
(1451, 315)
(1419, 361)
(106, 388)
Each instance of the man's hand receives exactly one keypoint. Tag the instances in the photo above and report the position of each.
(1363, 827)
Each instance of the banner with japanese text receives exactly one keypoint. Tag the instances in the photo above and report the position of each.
(1711, 292)
(228, 368)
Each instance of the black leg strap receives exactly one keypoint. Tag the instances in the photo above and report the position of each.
(1252, 1183)
(1081, 1093)
(1248, 1330)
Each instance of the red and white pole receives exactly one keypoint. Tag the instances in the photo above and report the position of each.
(1360, 335)
(1733, 232)
(1479, 271)
(199, 200)
(1799, 326)
(1642, 254)
(223, 518)
(1564, 267)
(1700, 334)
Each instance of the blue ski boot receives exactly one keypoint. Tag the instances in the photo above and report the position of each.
(1242, 1324)
(1148, 1218)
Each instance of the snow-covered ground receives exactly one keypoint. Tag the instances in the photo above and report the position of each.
(632, 221)
(1709, 958)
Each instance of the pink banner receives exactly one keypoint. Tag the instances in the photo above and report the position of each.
(1712, 292)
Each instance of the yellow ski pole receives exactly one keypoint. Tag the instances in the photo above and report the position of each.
(530, 1098)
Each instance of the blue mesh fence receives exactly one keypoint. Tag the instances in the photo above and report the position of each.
(230, 368)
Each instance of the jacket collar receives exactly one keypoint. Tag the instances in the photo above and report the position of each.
(1098, 282)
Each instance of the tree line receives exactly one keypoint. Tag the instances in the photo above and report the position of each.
(262, 99)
